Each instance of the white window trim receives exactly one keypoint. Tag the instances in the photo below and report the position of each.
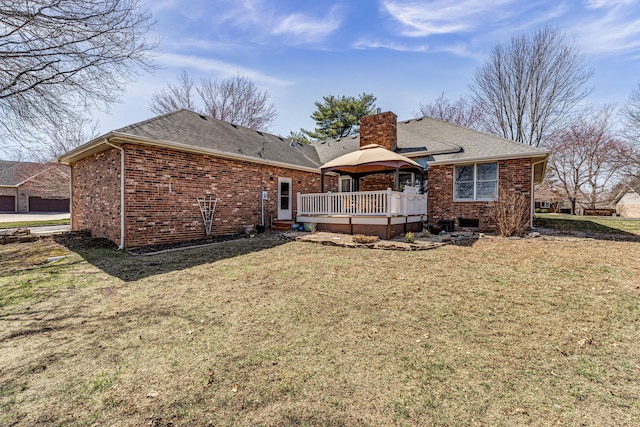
(344, 177)
(475, 183)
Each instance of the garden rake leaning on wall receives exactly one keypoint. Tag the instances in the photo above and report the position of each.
(207, 208)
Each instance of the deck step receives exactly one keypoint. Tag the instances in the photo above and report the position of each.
(282, 225)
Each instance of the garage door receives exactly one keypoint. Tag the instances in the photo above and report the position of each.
(38, 204)
(7, 203)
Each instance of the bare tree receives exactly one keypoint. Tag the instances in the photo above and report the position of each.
(527, 88)
(631, 114)
(175, 97)
(65, 137)
(236, 100)
(61, 57)
(585, 157)
(463, 112)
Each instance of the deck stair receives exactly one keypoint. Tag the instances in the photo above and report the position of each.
(282, 225)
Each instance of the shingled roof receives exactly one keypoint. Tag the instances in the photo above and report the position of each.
(186, 130)
(443, 142)
(449, 142)
(14, 173)
(195, 130)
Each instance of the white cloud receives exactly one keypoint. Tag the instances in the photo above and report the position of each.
(599, 4)
(425, 18)
(376, 44)
(263, 21)
(457, 49)
(189, 43)
(222, 69)
(308, 29)
(617, 31)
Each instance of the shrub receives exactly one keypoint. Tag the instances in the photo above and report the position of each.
(361, 238)
(425, 232)
(511, 214)
(409, 237)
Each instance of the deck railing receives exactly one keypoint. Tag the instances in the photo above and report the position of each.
(363, 203)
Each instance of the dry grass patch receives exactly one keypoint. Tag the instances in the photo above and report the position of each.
(363, 238)
(506, 332)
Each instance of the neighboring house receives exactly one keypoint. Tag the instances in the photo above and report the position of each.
(548, 198)
(33, 187)
(627, 202)
(157, 169)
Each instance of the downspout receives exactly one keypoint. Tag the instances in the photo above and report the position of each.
(121, 247)
(533, 196)
(70, 198)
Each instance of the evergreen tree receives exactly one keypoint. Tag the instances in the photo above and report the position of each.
(337, 117)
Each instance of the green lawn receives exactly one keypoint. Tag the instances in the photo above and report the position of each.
(267, 332)
(34, 223)
(600, 224)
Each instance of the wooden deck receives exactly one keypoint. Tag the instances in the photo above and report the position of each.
(382, 213)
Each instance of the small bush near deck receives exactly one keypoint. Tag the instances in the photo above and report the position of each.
(511, 214)
(409, 237)
(361, 238)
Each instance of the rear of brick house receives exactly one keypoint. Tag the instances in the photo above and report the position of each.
(157, 169)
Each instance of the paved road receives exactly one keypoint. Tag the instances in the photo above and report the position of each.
(39, 216)
(49, 229)
(32, 216)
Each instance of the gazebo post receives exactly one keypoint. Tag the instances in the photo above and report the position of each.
(321, 182)
(397, 179)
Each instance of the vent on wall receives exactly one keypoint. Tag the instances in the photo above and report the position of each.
(468, 222)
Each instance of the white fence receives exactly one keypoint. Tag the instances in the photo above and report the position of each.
(363, 203)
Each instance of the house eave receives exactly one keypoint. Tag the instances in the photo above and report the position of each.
(425, 153)
(92, 147)
(99, 145)
(542, 155)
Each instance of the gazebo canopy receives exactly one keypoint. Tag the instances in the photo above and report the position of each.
(370, 159)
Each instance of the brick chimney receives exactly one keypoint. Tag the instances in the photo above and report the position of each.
(379, 129)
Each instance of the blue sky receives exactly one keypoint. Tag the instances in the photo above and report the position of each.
(403, 51)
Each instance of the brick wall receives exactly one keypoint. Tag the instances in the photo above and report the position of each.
(378, 182)
(95, 204)
(513, 175)
(162, 187)
(379, 129)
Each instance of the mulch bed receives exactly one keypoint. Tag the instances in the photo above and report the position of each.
(398, 244)
(82, 240)
(148, 250)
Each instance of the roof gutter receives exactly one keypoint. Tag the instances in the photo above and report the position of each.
(106, 141)
(65, 159)
(533, 185)
(125, 137)
(541, 153)
(424, 153)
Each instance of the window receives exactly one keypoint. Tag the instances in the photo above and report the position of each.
(545, 205)
(346, 184)
(476, 182)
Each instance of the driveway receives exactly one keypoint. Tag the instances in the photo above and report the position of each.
(32, 216)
